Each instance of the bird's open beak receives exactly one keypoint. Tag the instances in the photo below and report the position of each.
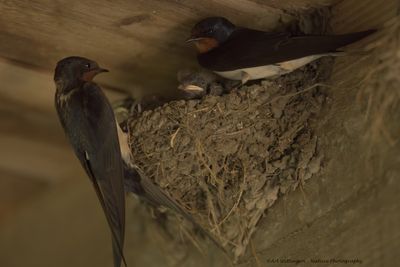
(190, 88)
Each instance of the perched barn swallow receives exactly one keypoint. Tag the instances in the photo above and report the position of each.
(89, 123)
(244, 54)
(103, 148)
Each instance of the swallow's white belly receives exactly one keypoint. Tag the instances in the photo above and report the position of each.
(124, 145)
(268, 70)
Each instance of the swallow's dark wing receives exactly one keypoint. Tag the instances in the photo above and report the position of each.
(250, 48)
(89, 123)
(138, 183)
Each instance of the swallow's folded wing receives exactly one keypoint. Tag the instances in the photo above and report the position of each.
(250, 48)
(89, 123)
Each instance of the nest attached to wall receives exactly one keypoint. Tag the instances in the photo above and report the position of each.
(226, 159)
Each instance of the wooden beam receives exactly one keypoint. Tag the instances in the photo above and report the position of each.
(141, 42)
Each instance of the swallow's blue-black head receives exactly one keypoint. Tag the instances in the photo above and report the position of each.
(210, 33)
(72, 70)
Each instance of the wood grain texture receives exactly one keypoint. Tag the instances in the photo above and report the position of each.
(141, 42)
(292, 5)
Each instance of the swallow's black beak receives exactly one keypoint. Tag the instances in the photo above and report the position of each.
(100, 70)
(189, 40)
(193, 39)
(89, 75)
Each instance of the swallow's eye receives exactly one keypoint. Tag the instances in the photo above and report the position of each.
(87, 65)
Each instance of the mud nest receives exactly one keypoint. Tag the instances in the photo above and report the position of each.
(226, 159)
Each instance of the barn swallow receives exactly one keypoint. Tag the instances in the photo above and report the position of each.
(103, 148)
(89, 123)
(244, 54)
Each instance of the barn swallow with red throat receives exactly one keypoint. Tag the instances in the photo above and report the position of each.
(89, 123)
(244, 54)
